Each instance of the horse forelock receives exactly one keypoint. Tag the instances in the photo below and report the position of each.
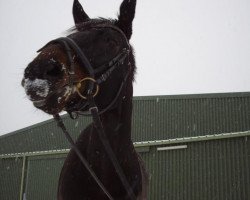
(91, 23)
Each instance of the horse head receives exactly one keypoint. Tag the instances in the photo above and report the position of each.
(94, 59)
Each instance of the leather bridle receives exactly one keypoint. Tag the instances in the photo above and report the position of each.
(70, 47)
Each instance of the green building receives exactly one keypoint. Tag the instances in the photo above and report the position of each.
(196, 147)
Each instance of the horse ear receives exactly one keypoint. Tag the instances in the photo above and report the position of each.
(78, 13)
(126, 16)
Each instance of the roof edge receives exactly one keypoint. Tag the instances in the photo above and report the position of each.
(195, 96)
(139, 144)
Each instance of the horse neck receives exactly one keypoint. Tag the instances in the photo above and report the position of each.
(117, 122)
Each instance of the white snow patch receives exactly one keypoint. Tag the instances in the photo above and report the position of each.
(42, 86)
(68, 91)
(43, 93)
(53, 60)
(59, 99)
(63, 67)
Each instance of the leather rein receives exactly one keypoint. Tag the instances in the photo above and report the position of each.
(70, 48)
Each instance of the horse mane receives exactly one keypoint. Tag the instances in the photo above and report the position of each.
(87, 24)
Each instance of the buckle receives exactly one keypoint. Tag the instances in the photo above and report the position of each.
(79, 85)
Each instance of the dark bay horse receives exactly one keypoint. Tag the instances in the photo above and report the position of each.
(95, 61)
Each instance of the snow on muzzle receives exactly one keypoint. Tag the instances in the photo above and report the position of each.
(37, 90)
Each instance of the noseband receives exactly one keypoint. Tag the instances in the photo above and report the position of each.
(71, 47)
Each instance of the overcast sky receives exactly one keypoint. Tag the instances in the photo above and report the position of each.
(182, 47)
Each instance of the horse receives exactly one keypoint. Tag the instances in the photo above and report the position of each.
(94, 64)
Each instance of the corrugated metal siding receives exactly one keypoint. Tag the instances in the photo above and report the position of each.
(165, 118)
(154, 118)
(212, 170)
(10, 178)
(207, 170)
(44, 136)
(42, 177)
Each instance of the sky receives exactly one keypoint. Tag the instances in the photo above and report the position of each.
(182, 47)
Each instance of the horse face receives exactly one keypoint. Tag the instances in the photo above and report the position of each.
(46, 78)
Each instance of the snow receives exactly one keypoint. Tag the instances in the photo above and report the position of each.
(68, 91)
(59, 99)
(41, 86)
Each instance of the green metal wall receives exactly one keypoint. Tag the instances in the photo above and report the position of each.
(42, 177)
(205, 170)
(214, 167)
(212, 170)
(154, 118)
(185, 116)
(40, 137)
(10, 178)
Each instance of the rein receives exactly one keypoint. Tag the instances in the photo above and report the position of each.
(93, 88)
(60, 124)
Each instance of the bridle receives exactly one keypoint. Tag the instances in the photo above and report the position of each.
(93, 87)
(70, 48)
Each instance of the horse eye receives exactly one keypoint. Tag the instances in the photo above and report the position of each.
(53, 69)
